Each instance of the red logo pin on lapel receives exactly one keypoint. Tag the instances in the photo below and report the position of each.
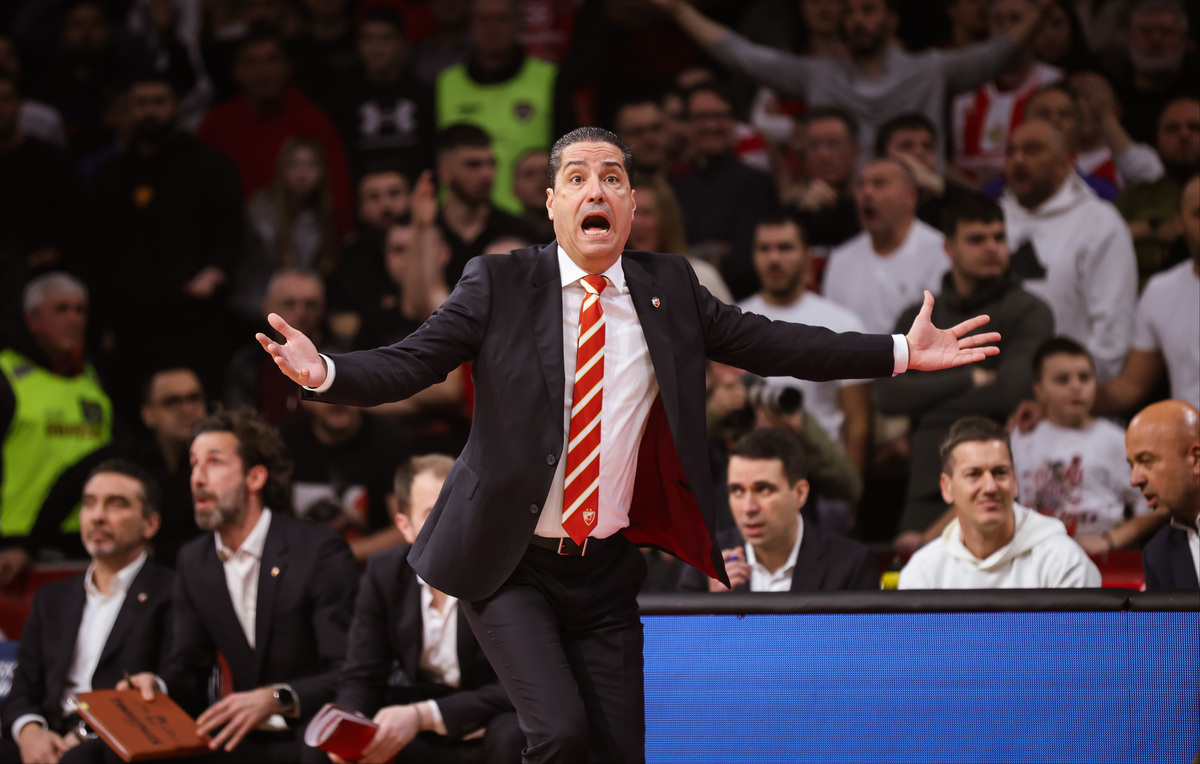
(655, 301)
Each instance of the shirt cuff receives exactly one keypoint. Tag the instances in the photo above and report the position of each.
(900, 352)
(27, 719)
(435, 715)
(160, 684)
(330, 373)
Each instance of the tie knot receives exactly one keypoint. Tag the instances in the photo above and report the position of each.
(594, 284)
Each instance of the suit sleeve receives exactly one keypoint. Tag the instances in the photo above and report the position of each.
(28, 693)
(465, 711)
(451, 336)
(368, 655)
(334, 585)
(865, 574)
(190, 653)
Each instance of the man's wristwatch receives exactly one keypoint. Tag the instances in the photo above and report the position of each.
(286, 698)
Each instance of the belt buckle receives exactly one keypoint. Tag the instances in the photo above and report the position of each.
(582, 549)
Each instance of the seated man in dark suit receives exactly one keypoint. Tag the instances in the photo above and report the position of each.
(1163, 445)
(273, 594)
(772, 549)
(453, 709)
(84, 632)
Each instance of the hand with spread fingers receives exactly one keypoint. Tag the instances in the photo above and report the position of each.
(297, 357)
(236, 716)
(931, 348)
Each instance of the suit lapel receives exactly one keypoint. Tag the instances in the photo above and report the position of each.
(1182, 567)
(410, 629)
(545, 312)
(72, 616)
(271, 575)
(810, 561)
(210, 582)
(654, 315)
(137, 601)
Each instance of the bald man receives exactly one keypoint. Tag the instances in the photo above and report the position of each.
(1070, 248)
(1163, 446)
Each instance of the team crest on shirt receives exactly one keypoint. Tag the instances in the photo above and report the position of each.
(589, 516)
(523, 110)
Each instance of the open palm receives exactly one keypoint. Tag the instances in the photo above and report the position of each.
(931, 348)
(297, 357)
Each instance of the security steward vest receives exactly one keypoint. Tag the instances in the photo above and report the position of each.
(56, 422)
(518, 114)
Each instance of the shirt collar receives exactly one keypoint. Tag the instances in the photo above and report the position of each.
(790, 563)
(254, 543)
(121, 581)
(570, 273)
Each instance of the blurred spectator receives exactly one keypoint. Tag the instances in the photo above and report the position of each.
(1103, 147)
(227, 25)
(968, 23)
(1160, 66)
(383, 199)
(166, 224)
(979, 282)
(251, 377)
(383, 114)
(1062, 42)
(502, 90)
(86, 632)
(394, 316)
(1166, 331)
(451, 708)
(772, 549)
(115, 116)
(1150, 208)
(641, 123)
(1163, 445)
(993, 542)
(252, 128)
(35, 118)
(172, 403)
(344, 460)
(325, 52)
(291, 224)
(469, 219)
(1056, 103)
(164, 36)
(272, 594)
(721, 197)
(983, 120)
(529, 186)
(879, 80)
(824, 202)
(879, 272)
(912, 139)
(39, 201)
(1070, 248)
(658, 227)
(53, 410)
(87, 60)
(807, 27)
(447, 45)
(1072, 465)
(781, 259)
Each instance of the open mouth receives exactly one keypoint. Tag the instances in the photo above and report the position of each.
(595, 225)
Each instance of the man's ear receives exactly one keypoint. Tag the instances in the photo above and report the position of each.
(404, 524)
(256, 477)
(550, 203)
(944, 481)
(153, 523)
(802, 489)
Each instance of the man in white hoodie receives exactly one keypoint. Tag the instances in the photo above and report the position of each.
(993, 542)
(1070, 247)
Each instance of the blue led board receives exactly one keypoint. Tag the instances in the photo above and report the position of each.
(923, 687)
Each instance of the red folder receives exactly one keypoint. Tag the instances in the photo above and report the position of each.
(340, 731)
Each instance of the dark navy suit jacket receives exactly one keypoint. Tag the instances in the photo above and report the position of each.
(505, 317)
(1168, 562)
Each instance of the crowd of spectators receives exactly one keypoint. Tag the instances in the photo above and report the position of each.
(173, 171)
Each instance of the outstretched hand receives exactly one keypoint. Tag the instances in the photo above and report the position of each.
(297, 357)
(931, 348)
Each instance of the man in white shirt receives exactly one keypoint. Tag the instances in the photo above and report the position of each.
(884, 269)
(273, 594)
(1070, 248)
(781, 259)
(1163, 445)
(993, 542)
(85, 632)
(772, 549)
(456, 710)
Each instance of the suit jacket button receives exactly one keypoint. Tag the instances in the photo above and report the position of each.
(551, 459)
(533, 508)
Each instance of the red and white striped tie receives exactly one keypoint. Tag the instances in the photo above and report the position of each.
(581, 494)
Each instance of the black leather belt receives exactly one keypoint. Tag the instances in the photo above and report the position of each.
(567, 547)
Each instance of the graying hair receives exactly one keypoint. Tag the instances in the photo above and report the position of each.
(588, 135)
(294, 270)
(39, 289)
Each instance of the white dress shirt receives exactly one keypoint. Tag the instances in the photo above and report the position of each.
(99, 614)
(439, 648)
(763, 580)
